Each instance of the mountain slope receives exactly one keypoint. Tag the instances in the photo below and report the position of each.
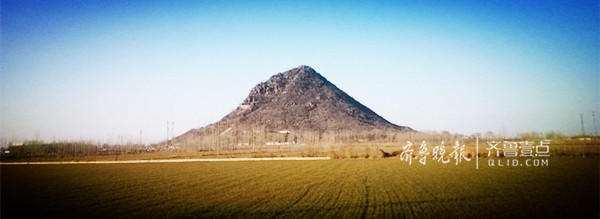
(301, 99)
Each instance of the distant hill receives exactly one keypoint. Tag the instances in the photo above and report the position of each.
(295, 101)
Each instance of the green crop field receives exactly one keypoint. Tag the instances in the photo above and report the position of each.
(355, 188)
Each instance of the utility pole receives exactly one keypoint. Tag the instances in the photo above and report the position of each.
(140, 137)
(595, 125)
(582, 128)
(168, 134)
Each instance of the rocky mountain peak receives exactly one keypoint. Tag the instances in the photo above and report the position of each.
(301, 99)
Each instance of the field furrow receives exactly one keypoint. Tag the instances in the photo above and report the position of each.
(357, 188)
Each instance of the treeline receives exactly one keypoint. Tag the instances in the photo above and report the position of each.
(38, 150)
(231, 137)
(223, 140)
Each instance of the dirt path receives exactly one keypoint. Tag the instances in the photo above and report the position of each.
(165, 160)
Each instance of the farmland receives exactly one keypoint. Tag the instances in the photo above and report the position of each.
(355, 188)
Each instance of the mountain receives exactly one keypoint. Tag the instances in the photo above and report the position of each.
(299, 100)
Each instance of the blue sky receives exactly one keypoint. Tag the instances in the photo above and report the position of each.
(97, 70)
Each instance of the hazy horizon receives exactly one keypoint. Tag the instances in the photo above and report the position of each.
(98, 70)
